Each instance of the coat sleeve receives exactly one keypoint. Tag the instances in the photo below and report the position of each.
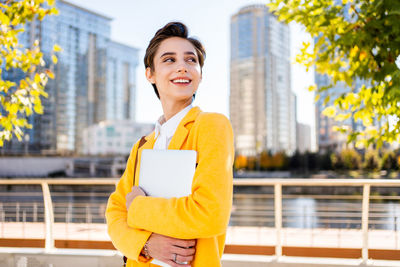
(126, 239)
(206, 211)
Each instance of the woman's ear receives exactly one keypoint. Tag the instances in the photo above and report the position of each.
(150, 76)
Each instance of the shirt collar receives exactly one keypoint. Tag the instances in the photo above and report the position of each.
(168, 128)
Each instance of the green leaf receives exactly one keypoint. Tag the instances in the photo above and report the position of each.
(361, 44)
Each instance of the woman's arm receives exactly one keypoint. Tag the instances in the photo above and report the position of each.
(126, 239)
(206, 211)
(130, 241)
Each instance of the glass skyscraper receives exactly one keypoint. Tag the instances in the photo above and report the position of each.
(262, 106)
(95, 78)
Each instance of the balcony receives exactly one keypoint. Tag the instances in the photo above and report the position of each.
(55, 222)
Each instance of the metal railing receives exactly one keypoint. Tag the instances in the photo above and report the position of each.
(277, 215)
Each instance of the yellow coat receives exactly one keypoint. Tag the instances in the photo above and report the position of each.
(203, 215)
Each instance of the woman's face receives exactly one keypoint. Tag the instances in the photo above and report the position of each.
(177, 72)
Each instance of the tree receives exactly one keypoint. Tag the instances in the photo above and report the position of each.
(337, 162)
(371, 160)
(266, 160)
(389, 161)
(240, 162)
(20, 99)
(353, 40)
(351, 159)
(279, 160)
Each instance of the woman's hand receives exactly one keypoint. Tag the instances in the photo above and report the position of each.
(173, 251)
(136, 191)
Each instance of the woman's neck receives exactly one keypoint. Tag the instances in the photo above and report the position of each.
(171, 108)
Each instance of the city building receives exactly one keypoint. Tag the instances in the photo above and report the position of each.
(303, 137)
(262, 106)
(113, 137)
(94, 79)
(121, 83)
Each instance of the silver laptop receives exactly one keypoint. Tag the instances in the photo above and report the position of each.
(167, 173)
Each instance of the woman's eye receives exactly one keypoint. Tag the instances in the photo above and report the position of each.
(192, 59)
(168, 59)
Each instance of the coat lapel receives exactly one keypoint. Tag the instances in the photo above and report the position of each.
(148, 144)
(183, 130)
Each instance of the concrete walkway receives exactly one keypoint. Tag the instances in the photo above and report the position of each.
(334, 238)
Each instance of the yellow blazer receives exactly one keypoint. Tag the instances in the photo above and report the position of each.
(203, 215)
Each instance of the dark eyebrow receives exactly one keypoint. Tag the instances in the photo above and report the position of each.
(168, 54)
(190, 53)
(173, 54)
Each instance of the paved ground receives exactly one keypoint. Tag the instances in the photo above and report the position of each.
(335, 238)
(110, 258)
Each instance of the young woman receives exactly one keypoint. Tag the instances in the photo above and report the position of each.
(186, 231)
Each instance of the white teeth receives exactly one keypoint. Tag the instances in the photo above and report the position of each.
(180, 81)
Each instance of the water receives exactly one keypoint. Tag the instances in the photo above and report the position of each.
(309, 212)
(252, 207)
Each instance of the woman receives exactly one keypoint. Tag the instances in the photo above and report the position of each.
(186, 231)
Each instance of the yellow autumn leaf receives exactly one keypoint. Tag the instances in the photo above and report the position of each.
(312, 88)
(354, 51)
(37, 78)
(23, 84)
(38, 109)
(342, 117)
(360, 144)
(4, 19)
(54, 59)
(329, 111)
(50, 74)
(372, 131)
(13, 109)
(366, 120)
(363, 55)
(57, 48)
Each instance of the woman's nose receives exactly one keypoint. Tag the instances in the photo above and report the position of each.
(181, 68)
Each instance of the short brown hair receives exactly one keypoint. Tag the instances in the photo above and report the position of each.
(172, 29)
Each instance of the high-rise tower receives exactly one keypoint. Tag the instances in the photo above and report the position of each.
(262, 106)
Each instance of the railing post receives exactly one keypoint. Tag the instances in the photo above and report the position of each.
(395, 231)
(278, 218)
(17, 212)
(364, 222)
(35, 209)
(49, 216)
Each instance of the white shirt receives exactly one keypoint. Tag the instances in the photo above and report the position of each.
(164, 130)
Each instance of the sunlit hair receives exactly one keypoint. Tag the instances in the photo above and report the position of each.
(172, 29)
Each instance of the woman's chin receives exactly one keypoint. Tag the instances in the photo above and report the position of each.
(180, 97)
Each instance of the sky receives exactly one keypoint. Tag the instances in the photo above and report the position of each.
(135, 23)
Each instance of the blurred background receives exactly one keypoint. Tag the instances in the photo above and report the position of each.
(311, 89)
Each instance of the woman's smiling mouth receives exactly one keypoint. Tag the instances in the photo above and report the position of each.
(181, 81)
